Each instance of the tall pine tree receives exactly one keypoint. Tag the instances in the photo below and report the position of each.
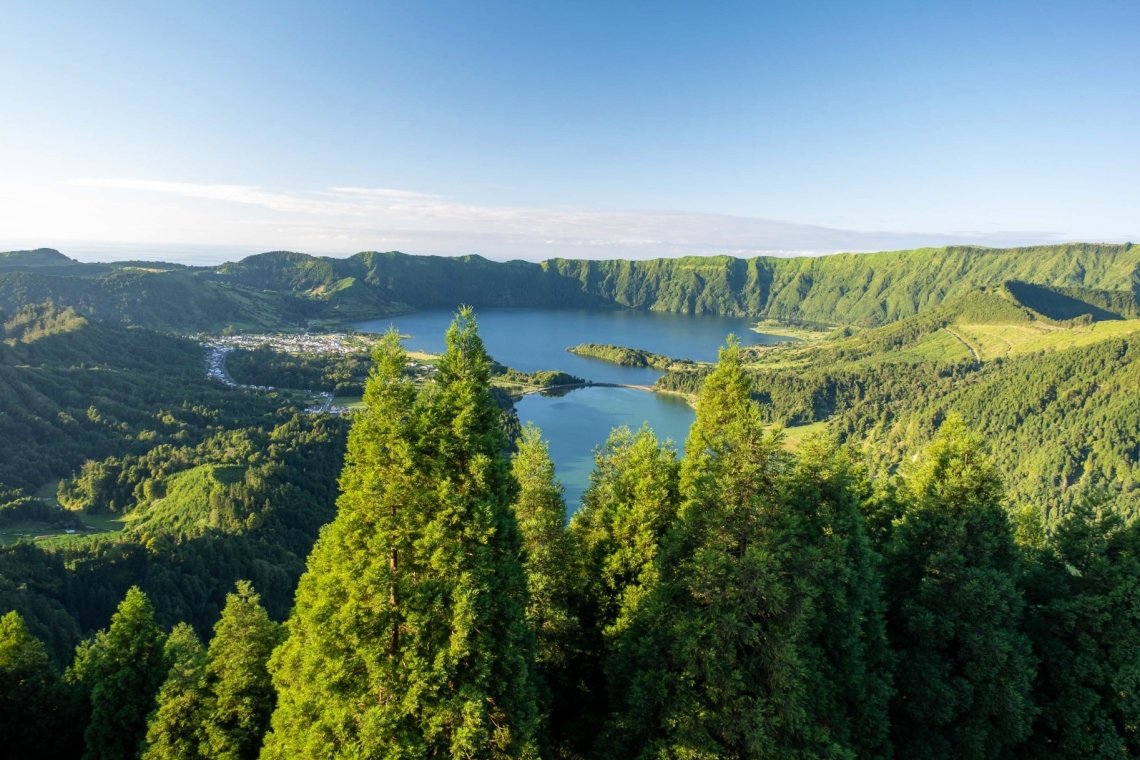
(955, 608)
(846, 654)
(240, 695)
(553, 575)
(174, 731)
(627, 510)
(1084, 620)
(409, 635)
(713, 666)
(630, 505)
(123, 668)
(33, 702)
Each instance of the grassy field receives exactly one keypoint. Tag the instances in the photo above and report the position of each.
(52, 534)
(964, 341)
(794, 436)
(797, 332)
(998, 341)
(939, 346)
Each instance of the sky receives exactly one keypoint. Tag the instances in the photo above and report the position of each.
(212, 130)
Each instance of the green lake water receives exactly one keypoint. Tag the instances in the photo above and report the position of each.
(575, 423)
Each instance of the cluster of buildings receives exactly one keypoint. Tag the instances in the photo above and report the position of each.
(291, 343)
(218, 347)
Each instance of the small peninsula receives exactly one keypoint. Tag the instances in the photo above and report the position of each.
(626, 357)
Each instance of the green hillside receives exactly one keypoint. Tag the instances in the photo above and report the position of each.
(284, 288)
(191, 503)
(847, 288)
(210, 484)
(1058, 401)
(73, 389)
(40, 257)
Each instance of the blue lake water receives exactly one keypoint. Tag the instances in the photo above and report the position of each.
(575, 423)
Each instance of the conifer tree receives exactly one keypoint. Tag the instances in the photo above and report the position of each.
(174, 731)
(32, 700)
(1084, 594)
(409, 635)
(626, 511)
(955, 609)
(629, 506)
(123, 668)
(714, 668)
(846, 654)
(240, 695)
(553, 579)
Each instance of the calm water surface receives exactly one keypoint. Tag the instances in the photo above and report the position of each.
(575, 423)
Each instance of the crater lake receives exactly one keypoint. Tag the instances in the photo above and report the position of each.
(576, 422)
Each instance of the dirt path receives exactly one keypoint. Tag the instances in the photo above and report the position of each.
(966, 343)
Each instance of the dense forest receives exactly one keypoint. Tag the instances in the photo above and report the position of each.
(948, 566)
(282, 288)
(737, 601)
(196, 486)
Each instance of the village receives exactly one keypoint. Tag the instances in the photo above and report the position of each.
(219, 347)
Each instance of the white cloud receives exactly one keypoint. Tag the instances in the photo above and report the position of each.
(343, 220)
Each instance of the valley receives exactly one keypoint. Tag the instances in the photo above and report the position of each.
(139, 456)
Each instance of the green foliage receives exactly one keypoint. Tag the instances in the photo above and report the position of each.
(543, 378)
(409, 634)
(123, 669)
(626, 511)
(846, 654)
(709, 666)
(73, 390)
(1065, 304)
(1084, 619)
(761, 630)
(964, 664)
(174, 731)
(1057, 418)
(240, 696)
(629, 506)
(187, 551)
(191, 503)
(340, 374)
(216, 703)
(553, 574)
(626, 357)
(34, 707)
(1059, 424)
(728, 606)
(846, 288)
(548, 550)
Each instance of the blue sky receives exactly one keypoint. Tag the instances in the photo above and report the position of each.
(577, 129)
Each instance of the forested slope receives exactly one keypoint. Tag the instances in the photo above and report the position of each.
(737, 601)
(846, 288)
(206, 484)
(293, 288)
(73, 388)
(1058, 400)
